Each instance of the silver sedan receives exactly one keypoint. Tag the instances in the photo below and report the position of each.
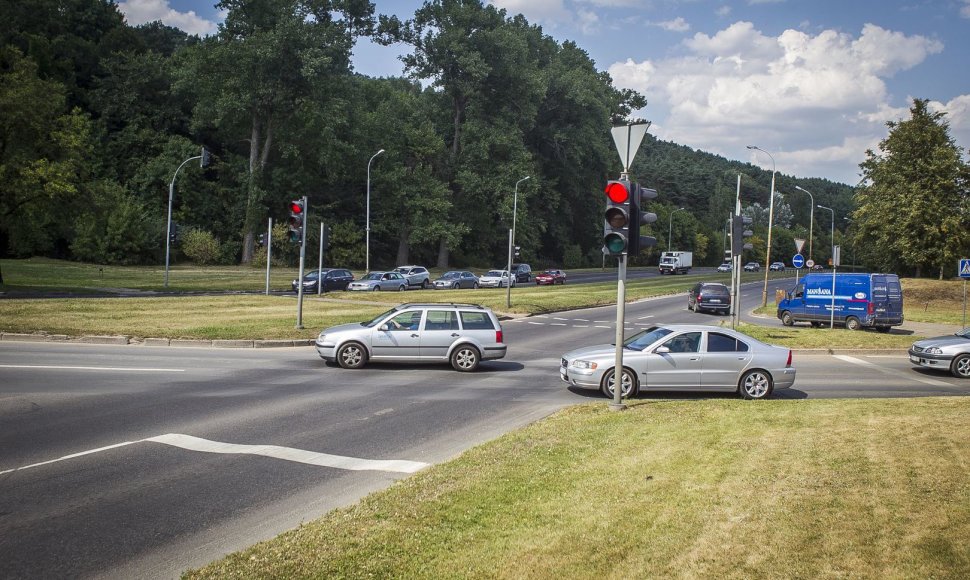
(946, 353)
(683, 357)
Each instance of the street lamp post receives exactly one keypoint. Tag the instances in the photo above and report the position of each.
(771, 218)
(811, 219)
(367, 227)
(515, 211)
(171, 194)
(670, 225)
(832, 321)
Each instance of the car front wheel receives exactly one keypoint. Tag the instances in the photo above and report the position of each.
(352, 355)
(755, 384)
(465, 358)
(787, 319)
(426, 284)
(961, 366)
(628, 381)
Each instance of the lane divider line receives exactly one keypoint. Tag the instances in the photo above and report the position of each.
(865, 363)
(69, 368)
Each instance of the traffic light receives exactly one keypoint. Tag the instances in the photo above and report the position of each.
(206, 158)
(516, 252)
(638, 201)
(739, 232)
(297, 219)
(616, 219)
(173, 235)
(262, 240)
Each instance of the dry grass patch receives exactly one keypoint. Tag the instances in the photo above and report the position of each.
(723, 488)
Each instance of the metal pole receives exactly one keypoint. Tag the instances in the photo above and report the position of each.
(515, 212)
(508, 286)
(617, 404)
(168, 229)
(269, 251)
(964, 303)
(299, 286)
(811, 219)
(832, 317)
(367, 258)
(771, 219)
(320, 264)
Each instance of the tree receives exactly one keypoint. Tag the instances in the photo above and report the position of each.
(914, 209)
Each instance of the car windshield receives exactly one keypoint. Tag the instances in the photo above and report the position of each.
(450, 275)
(550, 272)
(965, 333)
(373, 322)
(495, 273)
(403, 270)
(643, 339)
(714, 289)
(311, 276)
(373, 276)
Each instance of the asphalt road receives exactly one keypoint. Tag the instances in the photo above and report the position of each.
(140, 462)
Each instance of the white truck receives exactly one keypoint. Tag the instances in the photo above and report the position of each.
(676, 262)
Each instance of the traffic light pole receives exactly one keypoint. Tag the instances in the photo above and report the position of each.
(168, 230)
(299, 286)
(508, 287)
(269, 251)
(617, 404)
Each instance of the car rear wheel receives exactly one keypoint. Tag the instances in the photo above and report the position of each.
(465, 358)
(475, 286)
(961, 366)
(787, 319)
(402, 288)
(629, 384)
(852, 323)
(755, 384)
(352, 355)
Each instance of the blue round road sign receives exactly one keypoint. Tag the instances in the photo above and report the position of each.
(798, 260)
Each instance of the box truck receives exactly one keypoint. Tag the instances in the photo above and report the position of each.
(859, 300)
(676, 262)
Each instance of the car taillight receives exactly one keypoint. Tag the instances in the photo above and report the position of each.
(788, 364)
(870, 308)
(498, 336)
(699, 296)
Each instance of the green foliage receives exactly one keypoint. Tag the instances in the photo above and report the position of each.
(347, 245)
(116, 229)
(573, 257)
(200, 246)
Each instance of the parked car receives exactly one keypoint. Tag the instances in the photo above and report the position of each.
(777, 267)
(550, 277)
(415, 275)
(752, 267)
(683, 357)
(725, 267)
(946, 353)
(462, 334)
(379, 281)
(333, 279)
(712, 296)
(522, 273)
(495, 279)
(456, 279)
(818, 267)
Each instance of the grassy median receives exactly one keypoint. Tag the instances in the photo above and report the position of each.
(685, 489)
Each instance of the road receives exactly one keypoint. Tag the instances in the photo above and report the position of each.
(140, 462)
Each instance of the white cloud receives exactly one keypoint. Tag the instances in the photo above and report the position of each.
(676, 25)
(965, 9)
(549, 11)
(723, 11)
(141, 11)
(815, 102)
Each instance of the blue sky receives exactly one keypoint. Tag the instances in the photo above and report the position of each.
(812, 82)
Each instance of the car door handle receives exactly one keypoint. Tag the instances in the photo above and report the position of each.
(415, 335)
(695, 358)
(455, 335)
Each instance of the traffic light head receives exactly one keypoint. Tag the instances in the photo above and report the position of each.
(206, 158)
(517, 248)
(297, 220)
(740, 231)
(616, 219)
(640, 196)
(262, 240)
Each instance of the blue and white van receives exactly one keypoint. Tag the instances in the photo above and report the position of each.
(861, 300)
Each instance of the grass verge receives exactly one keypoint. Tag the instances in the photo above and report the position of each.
(704, 488)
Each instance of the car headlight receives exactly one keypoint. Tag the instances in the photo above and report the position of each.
(584, 364)
(321, 337)
(933, 350)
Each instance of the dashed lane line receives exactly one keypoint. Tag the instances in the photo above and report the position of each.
(77, 368)
(865, 363)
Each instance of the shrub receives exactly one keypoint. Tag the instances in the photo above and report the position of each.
(200, 246)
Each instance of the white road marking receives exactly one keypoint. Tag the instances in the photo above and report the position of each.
(581, 320)
(557, 324)
(537, 323)
(644, 317)
(285, 453)
(601, 326)
(557, 318)
(60, 367)
(859, 361)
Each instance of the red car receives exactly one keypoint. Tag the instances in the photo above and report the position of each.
(551, 277)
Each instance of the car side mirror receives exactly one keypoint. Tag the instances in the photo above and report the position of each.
(386, 326)
(661, 350)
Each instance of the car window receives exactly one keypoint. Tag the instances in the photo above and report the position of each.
(476, 321)
(449, 275)
(687, 342)
(717, 342)
(799, 291)
(715, 289)
(372, 276)
(496, 273)
(405, 321)
(374, 321)
(441, 320)
(644, 339)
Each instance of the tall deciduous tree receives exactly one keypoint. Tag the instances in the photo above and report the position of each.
(914, 210)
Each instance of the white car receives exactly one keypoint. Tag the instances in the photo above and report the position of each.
(495, 279)
(415, 275)
(725, 267)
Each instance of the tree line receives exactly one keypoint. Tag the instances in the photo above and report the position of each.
(97, 115)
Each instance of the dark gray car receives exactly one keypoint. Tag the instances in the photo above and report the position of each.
(710, 296)
(456, 279)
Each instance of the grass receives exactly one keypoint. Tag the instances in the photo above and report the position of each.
(698, 489)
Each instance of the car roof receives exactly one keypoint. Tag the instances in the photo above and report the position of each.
(407, 305)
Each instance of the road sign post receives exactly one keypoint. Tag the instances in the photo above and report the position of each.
(964, 272)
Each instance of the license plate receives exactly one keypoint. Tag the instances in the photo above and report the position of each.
(914, 359)
(714, 301)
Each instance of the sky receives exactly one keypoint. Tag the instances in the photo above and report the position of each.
(811, 83)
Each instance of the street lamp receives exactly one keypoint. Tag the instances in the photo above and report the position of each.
(832, 322)
(670, 225)
(515, 211)
(811, 219)
(771, 218)
(171, 194)
(367, 259)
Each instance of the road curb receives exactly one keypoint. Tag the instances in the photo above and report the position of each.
(156, 341)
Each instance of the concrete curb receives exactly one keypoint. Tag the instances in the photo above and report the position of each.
(153, 341)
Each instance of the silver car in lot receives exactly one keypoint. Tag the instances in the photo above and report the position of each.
(946, 353)
(683, 357)
(456, 279)
(415, 276)
(380, 281)
(460, 334)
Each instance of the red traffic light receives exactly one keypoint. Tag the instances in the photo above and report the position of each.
(618, 191)
(296, 207)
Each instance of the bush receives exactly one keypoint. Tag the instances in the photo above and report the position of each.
(200, 246)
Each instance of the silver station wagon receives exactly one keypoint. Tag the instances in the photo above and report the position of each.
(460, 334)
